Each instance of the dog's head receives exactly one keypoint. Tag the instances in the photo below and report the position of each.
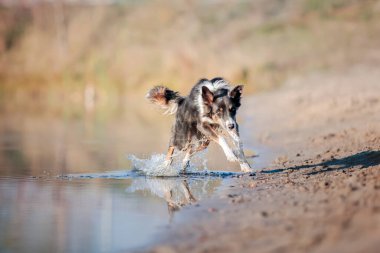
(221, 107)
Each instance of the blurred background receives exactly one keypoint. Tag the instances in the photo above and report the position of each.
(73, 73)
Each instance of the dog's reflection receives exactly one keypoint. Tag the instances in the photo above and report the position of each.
(174, 205)
(177, 192)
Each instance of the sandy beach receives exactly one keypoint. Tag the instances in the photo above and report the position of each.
(321, 193)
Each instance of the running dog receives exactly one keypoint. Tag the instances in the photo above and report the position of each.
(207, 114)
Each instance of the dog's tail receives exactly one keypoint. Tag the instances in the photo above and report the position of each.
(164, 98)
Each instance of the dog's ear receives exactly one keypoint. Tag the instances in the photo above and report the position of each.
(207, 96)
(235, 95)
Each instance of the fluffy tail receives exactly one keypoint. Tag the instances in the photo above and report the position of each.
(164, 98)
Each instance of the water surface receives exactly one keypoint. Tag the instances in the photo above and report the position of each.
(92, 214)
(57, 193)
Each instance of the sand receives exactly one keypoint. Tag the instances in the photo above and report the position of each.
(320, 193)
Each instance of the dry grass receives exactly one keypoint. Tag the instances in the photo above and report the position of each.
(133, 45)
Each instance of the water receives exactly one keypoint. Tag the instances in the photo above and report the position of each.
(67, 185)
(92, 214)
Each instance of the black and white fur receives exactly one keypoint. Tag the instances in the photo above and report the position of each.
(203, 116)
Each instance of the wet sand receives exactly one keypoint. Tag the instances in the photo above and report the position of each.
(322, 191)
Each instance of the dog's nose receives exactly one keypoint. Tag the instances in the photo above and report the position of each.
(231, 126)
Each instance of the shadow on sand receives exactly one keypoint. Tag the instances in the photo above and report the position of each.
(363, 159)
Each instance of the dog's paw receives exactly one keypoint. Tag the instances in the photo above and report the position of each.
(245, 167)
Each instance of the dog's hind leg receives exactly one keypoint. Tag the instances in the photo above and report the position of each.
(169, 156)
(186, 161)
(190, 151)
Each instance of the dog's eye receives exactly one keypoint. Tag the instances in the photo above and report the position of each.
(220, 110)
(233, 110)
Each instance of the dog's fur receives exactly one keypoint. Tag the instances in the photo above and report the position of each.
(201, 117)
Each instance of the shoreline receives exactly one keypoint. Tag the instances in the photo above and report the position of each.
(320, 194)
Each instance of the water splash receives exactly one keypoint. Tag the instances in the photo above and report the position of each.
(154, 166)
(157, 166)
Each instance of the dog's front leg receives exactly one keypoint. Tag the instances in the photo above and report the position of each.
(226, 149)
(232, 156)
(239, 152)
(244, 165)
(207, 130)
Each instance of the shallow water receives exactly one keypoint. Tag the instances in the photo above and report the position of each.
(67, 185)
(107, 212)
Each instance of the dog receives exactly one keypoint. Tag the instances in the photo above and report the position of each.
(205, 115)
